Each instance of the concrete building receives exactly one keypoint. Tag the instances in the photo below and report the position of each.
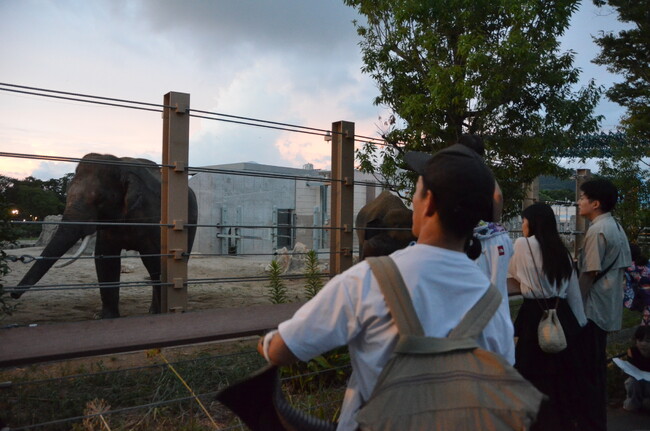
(281, 206)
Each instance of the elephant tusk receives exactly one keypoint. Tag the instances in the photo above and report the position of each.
(82, 247)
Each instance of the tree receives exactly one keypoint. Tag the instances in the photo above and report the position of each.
(34, 199)
(488, 67)
(627, 53)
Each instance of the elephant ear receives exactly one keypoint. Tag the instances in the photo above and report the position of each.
(137, 189)
(371, 227)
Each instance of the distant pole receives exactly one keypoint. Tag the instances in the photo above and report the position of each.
(173, 202)
(342, 201)
(582, 176)
(531, 194)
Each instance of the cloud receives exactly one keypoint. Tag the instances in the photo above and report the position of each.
(268, 26)
(290, 61)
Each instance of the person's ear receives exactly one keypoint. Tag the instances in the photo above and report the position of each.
(596, 204)
(430, 204)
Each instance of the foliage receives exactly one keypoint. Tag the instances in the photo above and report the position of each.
(627, 53)
(314, 282)
(34, 199)
(277, 289)
(487, 67)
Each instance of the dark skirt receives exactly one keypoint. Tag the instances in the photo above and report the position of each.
(554, 374)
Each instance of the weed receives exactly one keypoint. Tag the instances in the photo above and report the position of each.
(277, 288)
(312, 273)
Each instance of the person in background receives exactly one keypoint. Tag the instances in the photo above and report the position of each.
(541, 269)
(602, 262)
(637, 284)
(492, 246)
(638, 391)
(454, 191)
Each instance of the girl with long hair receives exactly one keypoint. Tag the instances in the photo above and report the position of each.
(541, 269)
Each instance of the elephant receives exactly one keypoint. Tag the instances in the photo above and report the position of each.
(106, 189)
(385, 211)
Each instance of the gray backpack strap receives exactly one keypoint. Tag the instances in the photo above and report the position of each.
(412, 339)
(479, 315)
(396, 295)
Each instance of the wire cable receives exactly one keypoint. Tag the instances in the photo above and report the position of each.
(157, 105)
(74, 99)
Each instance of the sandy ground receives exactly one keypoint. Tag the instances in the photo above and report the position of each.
(62, 305)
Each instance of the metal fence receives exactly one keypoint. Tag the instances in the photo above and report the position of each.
(31, 344)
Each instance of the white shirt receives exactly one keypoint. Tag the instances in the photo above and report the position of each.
(350, 309)
(524, 268)
(496, 251)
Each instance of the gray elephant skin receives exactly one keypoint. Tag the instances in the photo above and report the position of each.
(385, 211)
(114, 192)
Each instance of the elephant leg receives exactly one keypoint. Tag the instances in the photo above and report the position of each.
(153, 267)
(108, 275)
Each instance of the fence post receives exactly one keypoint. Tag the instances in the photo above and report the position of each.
(173, 202)
(582, 176)
(342, 201)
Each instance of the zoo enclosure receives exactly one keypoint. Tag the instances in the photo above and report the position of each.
(176, 328)
(109, 337)
(175, 168)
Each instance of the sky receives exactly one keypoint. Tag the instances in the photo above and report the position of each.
(289, 61)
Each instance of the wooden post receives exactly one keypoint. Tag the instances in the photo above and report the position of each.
(582, 176)
(342, 201)
(174, 199)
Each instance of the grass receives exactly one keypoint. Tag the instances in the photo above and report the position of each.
(36, 394)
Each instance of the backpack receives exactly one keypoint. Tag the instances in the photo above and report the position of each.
(448, 384)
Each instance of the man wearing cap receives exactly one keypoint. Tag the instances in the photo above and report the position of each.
(454, 191)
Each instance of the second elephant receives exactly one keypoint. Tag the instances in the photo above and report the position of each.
(374, 220)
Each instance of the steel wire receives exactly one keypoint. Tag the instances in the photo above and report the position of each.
(222, 226)
(118, 284)
(74, 99)
(87, 95)
(126, 103)
(325, 131)
(191, 169)
(78, 160)
(131, 369)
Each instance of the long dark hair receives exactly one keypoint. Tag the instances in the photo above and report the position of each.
(556, 262)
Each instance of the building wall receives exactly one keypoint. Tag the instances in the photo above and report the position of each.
(250, 201)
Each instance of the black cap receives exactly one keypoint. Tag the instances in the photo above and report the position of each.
(458, 176)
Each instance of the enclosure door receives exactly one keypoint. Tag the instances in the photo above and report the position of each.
(285, 231)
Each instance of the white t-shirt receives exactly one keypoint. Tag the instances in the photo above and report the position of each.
(350, 309)
(524, 268)
(496, 251)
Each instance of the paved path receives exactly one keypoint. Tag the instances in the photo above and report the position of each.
(621, 420)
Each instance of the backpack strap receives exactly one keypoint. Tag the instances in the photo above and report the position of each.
(396, 295)
(412, 339)
(479, 315)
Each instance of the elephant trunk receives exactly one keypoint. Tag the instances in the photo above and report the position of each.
(65, 237)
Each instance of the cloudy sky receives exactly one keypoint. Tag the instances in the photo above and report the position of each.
(290, 61)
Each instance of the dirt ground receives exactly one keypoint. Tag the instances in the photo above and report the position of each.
(67, 305)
